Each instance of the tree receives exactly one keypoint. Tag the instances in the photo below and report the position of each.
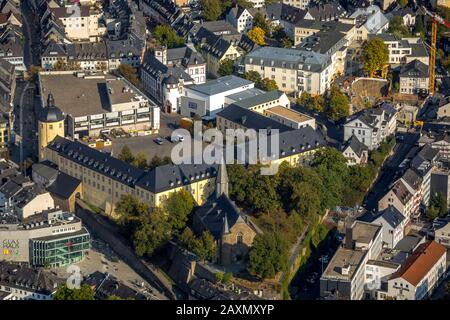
(438, 206)
(157, 161)
(260, 21)
(211, 9)
(226, 67)
(419, 27)
(267, 84)
(252, 76)
(338, 104)
(60, 65)
(267, 256)
(129, 210)
(403, 3)
(152, 232)
(179, 206)
(140, 161)
(166, 36)
(85, 292)
(129, 73)
(126, 154)
(375, 55)
(398, 28)
(204, 247)
(257, 35)
(316, 103)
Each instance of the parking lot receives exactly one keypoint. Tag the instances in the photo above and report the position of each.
(147, 144)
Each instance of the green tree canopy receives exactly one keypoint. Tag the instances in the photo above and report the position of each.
(253, 76)
(157, 161)
(127, 71)
(140, 161)
(179, 206)
(268, 255)
(267, 84)
(85, 292)
(211, 9)
(398, 28)
(438, 205)
(126, 154)
(204, 247)
(226, 67)
(152, 232)
(316, 103)
(261, 22)
(338, 104)
(166, 36)
(375, 55)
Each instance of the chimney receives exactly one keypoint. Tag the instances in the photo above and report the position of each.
(349, 238)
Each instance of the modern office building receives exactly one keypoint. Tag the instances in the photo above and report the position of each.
(52, 238)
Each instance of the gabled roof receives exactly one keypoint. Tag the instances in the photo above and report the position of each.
(423, 259)
(392, 216)
(402, 192)
(357, 146)
(327, 11)
(415, 69)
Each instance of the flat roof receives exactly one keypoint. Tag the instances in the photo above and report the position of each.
(219, 85)
(289, 114)
(364, 232)
(82, 96)
(344, 258)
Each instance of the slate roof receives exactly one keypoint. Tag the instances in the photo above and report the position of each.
(65, 12)
(96, 160)
(64, 185)
(169, 176)
(55, 50)
(119, 48)
(357, 146)
(185, 55)
(87, 51)
(281, 11)
(415, 69)
(392, 216)
(327, 11)
(167, 74)
(299, 141)
(250, 119)
(260, 98)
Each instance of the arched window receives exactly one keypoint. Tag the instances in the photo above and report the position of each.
(240, 237)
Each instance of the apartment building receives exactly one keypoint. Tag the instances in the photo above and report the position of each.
(393, 225)
(401, 197)
(294, 70)
(420, 275)
(414, 78)
(368, 21)
(98, 103)
(105, 179)
(372, 126)
(79, 22)
(301, 4)
(405, 50)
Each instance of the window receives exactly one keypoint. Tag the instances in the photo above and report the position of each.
(240, 237)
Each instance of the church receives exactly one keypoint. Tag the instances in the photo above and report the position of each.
(233, 231)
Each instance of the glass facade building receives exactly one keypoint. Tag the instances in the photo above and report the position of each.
(58, 251)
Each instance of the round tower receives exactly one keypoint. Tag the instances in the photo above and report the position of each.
(50, 125)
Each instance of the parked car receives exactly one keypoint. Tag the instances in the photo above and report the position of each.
(177, 138)
(159, 141)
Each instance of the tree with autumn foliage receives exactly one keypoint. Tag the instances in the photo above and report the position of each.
(257, 35)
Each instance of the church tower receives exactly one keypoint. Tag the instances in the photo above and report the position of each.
(222, 180)
(50, 125)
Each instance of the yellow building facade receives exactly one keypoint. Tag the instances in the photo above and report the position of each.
(50, 125)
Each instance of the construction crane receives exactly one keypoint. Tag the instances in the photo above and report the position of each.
(435, 18)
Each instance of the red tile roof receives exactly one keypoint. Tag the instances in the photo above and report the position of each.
(420, 262)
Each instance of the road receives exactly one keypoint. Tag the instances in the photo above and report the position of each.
(105, 231)
(389, 171)
(31, 34)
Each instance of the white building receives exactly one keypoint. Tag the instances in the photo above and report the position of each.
(209, 98)
(355, 152)
(420, 274)
(294, 70)
(392, 222)
(372, 126)
(414, 78)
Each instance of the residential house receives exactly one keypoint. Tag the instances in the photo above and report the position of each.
(442, 234)
(242, 18)
(369, 20)
(355, 152)
(372, 126)
(401, 198)
(444, 108)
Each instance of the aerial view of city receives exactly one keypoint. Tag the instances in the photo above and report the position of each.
(232, 150)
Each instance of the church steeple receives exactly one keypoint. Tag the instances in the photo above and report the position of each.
(222, 180)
